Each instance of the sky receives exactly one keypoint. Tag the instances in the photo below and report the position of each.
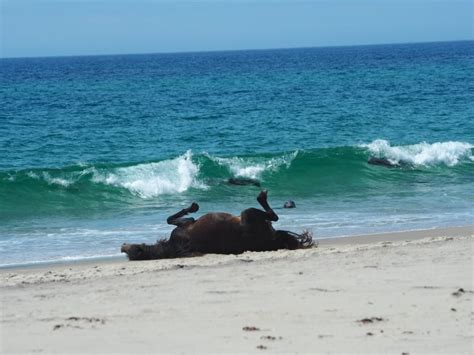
(36, 28)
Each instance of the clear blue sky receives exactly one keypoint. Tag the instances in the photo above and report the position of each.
(80, 27)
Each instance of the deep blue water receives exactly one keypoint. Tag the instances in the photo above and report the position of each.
(95, 151)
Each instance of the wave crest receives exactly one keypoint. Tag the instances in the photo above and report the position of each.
(46, 177)
(253, 167)
(422, 154)
(154, 179)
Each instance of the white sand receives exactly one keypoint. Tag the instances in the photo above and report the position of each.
(304, 301)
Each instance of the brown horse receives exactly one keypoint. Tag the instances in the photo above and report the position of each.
(220, 233)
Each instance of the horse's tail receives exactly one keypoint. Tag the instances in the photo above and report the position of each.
(305, 239)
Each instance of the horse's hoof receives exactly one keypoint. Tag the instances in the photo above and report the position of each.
(193, 208)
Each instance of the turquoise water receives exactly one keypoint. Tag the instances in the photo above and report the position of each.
(95, 151)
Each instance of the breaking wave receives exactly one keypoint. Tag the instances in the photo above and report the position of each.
(254, 167)
(422, 154)
(329, 171)
(154, 179)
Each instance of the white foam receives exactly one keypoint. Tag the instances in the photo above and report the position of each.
(49, 179)
(65, 259)
(425, 154)
(56, 181)
(254, 167)
(32, 175)
(154, 179)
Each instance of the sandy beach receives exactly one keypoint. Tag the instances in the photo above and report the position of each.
(409, 292)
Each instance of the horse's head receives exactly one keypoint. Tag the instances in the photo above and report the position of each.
(142, 251)
(163, 249)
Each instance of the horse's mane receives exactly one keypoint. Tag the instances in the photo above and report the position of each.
(175, 249)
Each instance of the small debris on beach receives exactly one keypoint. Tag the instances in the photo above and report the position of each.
(74, 321)
(429, 287)
(460, 292)
(250, 329)
(370, 320)
(369, 334)
(322, 289)
(261, 347)
(270, 337)
(86, 319)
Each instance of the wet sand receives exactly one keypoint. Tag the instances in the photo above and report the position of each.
(406, 292)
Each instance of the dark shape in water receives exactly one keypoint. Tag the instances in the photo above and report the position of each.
(289, 204)
(243, 181)
(220, 233)
(383, 162)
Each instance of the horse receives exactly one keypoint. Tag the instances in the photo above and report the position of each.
(220, 233)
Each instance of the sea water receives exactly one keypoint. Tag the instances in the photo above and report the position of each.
(96, 151)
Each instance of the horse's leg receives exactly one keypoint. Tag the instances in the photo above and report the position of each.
(255, 222)
(257, 232)
(178, 220)
(263, 201)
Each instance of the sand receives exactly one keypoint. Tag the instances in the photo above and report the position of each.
(408, 292)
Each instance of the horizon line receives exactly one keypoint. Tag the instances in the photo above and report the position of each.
(234, 50)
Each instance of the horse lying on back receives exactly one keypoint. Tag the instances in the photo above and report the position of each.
(220, 233)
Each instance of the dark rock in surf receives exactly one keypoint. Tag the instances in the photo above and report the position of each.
(382, 162)
(243, 181)
(289, 204)
(388, 163)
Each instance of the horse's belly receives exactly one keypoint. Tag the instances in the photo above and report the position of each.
(217, 233)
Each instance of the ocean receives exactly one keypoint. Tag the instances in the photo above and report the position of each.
(99, 150)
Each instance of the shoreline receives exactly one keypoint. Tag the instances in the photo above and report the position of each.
(349, 239)
(403, 292)
(414, 234)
